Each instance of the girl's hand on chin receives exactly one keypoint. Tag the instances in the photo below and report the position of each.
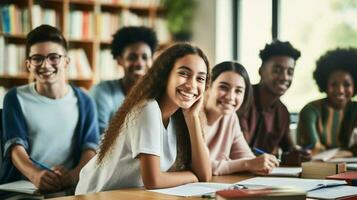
(195, 109)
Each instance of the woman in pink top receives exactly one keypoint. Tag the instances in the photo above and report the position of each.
(229, 152)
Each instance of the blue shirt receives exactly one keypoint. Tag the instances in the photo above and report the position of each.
(108, 96)
(15, 131)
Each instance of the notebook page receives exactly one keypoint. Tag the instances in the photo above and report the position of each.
(333, 192)
(193, 189)
(19, 186)
(286, 171)
(302, 184)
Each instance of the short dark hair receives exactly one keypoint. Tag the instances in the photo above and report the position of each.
(344, 59)
(130, 35)
(279, 48)
(44, 33)
(238, 68)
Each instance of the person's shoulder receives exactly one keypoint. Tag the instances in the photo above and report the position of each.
(314, 105)
(281, 106)
(108, 84)
(15, 90)
(80, 94)
(150, 106)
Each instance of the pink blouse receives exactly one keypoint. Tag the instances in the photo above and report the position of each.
(227, 146)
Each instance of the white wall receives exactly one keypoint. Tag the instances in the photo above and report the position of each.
(204, 28)
(212, 29)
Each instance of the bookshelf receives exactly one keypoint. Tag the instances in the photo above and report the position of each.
(87, 25)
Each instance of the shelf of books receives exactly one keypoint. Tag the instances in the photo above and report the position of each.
(88, 26)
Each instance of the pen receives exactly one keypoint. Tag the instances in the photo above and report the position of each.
(209, 196)
(43, 166)
(260, 152)
(308, 147)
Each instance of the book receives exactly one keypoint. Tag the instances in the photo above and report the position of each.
(320, 170)
(349, 177)
(269, 193)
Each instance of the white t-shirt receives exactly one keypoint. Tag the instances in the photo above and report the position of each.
(51, 124)
(144, 133)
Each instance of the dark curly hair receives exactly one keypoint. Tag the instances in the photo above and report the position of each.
(130, 35)
(344, 59)
(279, 48)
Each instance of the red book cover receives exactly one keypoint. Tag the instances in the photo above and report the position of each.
(347, 176)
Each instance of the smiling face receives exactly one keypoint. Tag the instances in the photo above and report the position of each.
(277, 74)
(186, 82)
(136, 60)
(340, 88)
(53, 68)
(226, 94)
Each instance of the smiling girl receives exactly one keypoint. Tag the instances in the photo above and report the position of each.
(156, 140)
(231, 90)
(332, 121)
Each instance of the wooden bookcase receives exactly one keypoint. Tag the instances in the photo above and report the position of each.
(92, 43)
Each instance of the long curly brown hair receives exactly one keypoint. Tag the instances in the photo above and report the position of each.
(153, 86)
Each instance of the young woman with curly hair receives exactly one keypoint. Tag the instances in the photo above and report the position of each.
(155, 139)
(331, 122)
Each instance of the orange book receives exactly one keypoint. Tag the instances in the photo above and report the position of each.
(349, 177)
(261, 194)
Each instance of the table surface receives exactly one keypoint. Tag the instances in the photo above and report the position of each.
(140, 193)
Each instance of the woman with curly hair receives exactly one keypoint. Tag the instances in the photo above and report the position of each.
(155, 139)
(331, 122)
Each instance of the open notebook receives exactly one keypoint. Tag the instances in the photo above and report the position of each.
(299, 183)
(326, 155)
(315, 188)
(194, 189)
(20, 186)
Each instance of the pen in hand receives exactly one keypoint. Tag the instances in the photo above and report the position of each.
(41, 165)
(260, 152)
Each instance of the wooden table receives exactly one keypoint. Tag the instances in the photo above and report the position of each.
(140, 193)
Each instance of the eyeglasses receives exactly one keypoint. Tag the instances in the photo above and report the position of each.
(52, 59)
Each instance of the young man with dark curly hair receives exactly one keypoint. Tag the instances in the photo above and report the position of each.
(132, 48)
(266, 123)
(331, 122)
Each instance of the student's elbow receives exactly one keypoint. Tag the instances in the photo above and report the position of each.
(152, 183)
(206, 176)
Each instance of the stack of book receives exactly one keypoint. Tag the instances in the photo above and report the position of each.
(319, 170)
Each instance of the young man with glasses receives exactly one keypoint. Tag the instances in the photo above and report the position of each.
(50, 127)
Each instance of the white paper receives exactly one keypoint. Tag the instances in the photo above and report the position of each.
(19, 186)
(333, 192)
(299, 183)
(193, 189)
(352, 166)
(286, 171)
(326, 155)
(346, 160)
